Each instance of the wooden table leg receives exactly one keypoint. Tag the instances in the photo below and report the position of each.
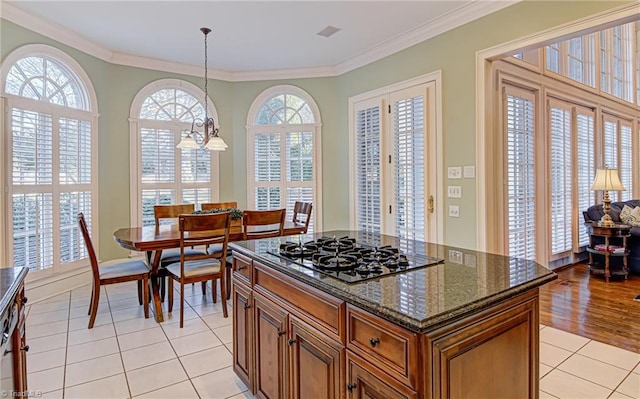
(155, 287)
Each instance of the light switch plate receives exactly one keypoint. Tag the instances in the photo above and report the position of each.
(454, 191)
(455, 256)
(454, 172)
(469, 172)
(454, 211)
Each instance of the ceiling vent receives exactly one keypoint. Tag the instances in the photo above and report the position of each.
(328, 31)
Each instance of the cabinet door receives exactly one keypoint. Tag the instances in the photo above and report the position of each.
(271, 349)
(316, 363)
(243, 334)
(366, 381)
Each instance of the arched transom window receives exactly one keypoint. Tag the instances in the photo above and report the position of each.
(51, 152)
(165, 174)
(284, 151)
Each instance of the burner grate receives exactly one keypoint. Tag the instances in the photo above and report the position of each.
(350, 261)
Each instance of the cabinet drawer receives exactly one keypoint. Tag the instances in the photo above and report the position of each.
(243, 268)
(392, 348)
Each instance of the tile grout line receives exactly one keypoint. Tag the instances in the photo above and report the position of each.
(124, 371)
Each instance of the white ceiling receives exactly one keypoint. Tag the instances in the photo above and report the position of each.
(247, 37)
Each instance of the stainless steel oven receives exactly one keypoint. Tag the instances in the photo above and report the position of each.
(8, 323)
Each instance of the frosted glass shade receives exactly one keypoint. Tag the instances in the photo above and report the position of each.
(216, 143)
(188, 143)
(607, 179)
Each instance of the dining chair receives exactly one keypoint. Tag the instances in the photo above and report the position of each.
(217, 248)
(301, 225)
(198, 230)
(263, 224)
(113, 273)
(218, 205)
(169, 256)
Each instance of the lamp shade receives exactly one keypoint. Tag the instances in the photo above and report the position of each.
(216, 143)
(187, 143)
(607, 179)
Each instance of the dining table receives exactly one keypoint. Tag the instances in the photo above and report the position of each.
(153, 241)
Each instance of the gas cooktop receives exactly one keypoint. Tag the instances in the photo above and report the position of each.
(350, 261)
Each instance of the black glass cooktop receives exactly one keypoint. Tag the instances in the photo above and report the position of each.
(350, 261)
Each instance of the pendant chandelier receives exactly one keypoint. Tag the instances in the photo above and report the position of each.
(209, 138)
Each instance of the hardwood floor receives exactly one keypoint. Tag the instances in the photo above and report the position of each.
(586, 305)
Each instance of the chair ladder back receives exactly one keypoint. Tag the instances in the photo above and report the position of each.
(263, 218)
(170, 212)
(204, 229)
(302, 208)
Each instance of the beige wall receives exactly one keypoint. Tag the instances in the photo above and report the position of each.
(452, 52)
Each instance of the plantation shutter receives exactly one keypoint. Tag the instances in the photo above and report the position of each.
(32, 178)
(611, 148)
(561, 177)
(410, 163)
(267, 154)
(368, 167)
(626, 160)
(75, 185)
(519, 122)
(158, 170)
(585, 172)
(299, 165)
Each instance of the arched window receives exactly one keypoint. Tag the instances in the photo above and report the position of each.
(160, 172)
(51, 137)
(284, 151)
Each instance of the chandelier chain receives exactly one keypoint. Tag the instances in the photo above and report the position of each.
(206, 81)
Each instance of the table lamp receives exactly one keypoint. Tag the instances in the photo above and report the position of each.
(607, 180)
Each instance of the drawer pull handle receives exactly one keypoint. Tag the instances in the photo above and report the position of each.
(247, 306)
(281, 333)
(374, 341)
(351, 387)
(240, 267)
(25, 299)
(25, 348)
(292, 341)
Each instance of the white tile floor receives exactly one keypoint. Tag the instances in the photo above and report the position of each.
(126, 355)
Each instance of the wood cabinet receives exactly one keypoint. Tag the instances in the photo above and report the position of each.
(292, 340)
(20, 341)
(243, 347)
(316, 363)
(272, 364)
(365, 381)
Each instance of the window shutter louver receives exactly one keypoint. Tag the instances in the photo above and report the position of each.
(521, 201)
(33, 230)
(611, 150)
(72, 247)
(157, 156)
(561, 193)
(368, 170)
(410, 168)
(625, 170)
(585, 168)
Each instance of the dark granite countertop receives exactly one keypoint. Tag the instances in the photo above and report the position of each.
(419, 299)
(10, 279)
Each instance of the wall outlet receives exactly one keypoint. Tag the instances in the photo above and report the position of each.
(454, 172)
(469, 172)
(455, 256)
(454, 211)
(454, 191)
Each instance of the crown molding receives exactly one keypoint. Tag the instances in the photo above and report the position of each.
(453, 19)
(292, 73)
(168, 66)
(53, 31)
(460, 16)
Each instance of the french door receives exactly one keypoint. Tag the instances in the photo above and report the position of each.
(393, 135)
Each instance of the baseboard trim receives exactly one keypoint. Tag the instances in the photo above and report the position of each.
(48, 287)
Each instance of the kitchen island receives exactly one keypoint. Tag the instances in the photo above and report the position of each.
(465, 326)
